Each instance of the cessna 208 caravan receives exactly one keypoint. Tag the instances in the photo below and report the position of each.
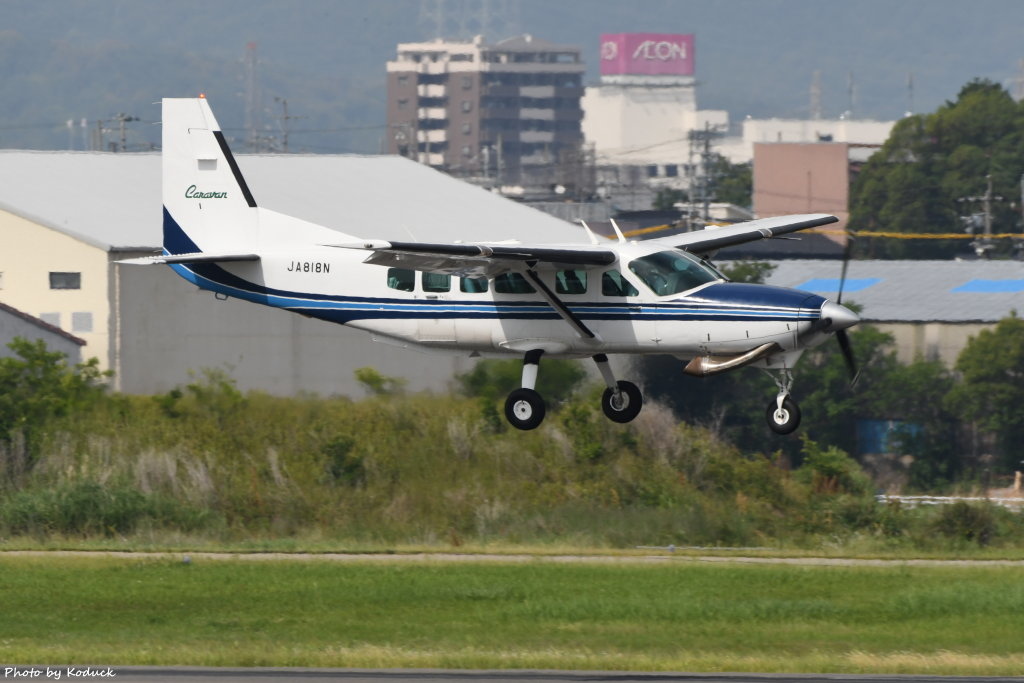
(573, 301)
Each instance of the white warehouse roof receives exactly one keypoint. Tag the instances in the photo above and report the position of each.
(114, 200)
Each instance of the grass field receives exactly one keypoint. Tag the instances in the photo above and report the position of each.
(681, 616)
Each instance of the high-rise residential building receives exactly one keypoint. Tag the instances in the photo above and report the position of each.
(498, 112)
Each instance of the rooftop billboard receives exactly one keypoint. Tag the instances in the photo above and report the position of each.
(647, 54)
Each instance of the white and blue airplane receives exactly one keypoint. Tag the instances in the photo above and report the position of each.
(658, 296)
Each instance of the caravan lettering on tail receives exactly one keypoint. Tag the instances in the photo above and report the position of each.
(193, 193)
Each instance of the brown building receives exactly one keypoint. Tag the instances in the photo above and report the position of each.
(804, 178)
(490, 111)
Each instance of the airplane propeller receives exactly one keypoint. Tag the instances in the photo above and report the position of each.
(841, 336)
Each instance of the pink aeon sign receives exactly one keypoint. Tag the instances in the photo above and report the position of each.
(647, 54)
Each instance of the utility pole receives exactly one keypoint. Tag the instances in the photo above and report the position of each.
(122, 119)
(984, 245)
(285, 126)
(704, 139)
(97, 136)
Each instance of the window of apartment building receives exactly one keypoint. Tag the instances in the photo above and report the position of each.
(467, 106)
(403, 103)
(466, 151)
(467, 82)
(403, 79)
(467, 128)
(65, 280)
(81, 321)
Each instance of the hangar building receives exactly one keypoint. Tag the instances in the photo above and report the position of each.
(66, 217)
(14, 323)
(931, 308)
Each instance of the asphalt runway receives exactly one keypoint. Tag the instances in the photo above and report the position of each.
(215, 675)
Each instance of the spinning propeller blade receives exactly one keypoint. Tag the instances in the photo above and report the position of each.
(851, 362)
(846, 263)
(841, 336)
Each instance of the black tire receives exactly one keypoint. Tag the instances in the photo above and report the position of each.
(785, 421)
(524, 409)
(631, 401)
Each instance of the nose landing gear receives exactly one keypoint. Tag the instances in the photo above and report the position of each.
(783, 413)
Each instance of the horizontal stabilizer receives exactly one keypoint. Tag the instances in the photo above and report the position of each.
(189, 258)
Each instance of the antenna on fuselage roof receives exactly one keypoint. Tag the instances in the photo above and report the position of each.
(590, 233)
(615, 226)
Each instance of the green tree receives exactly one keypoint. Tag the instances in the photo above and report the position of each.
(666, 198)
(991, 390)
(912, 184)
(38, 385)
(731, 183)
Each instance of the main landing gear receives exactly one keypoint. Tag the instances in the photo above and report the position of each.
(525, 409)
(783, 413)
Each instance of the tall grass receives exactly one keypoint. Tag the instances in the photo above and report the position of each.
(211, 462)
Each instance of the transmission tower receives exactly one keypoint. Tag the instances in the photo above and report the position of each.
(816, 95)
(253, 100)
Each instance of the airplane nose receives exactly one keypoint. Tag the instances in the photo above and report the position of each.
(840, 316)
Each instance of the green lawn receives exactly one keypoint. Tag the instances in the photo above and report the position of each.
(677, 616)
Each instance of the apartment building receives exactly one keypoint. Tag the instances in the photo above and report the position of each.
(494, 111)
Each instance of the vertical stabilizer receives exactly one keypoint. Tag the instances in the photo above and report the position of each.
(207, 205)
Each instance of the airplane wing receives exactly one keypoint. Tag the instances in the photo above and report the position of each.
(189, 258)
(716, 237)
(476, 260)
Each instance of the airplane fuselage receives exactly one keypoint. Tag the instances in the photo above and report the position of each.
(715, 317)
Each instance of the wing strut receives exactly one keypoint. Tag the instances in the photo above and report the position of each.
(560, 307)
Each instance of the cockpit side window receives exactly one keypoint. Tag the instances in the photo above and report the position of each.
(670, 272)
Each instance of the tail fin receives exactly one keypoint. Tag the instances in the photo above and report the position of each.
(207, 205)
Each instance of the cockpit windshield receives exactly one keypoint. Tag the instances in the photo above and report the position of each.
(672, 271)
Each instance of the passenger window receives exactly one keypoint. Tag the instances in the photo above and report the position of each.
(512, 283)
(571, 282)
(436, 282)
(613, 284)
(473, 285)
(402, 279)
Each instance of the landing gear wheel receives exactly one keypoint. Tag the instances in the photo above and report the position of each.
(624, 407)
(524, 409)
(786, 419)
